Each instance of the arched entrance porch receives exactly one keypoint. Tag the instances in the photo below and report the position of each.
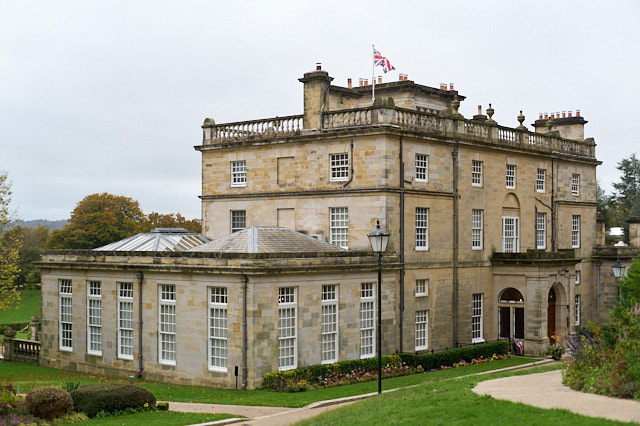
(511, 314)
(557, 311)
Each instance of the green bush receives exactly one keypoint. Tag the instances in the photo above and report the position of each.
(108, 397)
(606, 359)
(9, 400)
(436, 360)
(70, 419)
(49, 402)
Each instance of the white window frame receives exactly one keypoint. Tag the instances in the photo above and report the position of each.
(575, 231)
(511, 176)
(575, 184)
(217, 329)
(541, 230)
(422, 330)
(422, 228)
(510, 243)
(541, 180)
(477, 229)
(339, 226)
(238, 220)
(329, 333)
(422, 287)
(94, 318)
(422, 168)
(239, 173)
(287, 328)
(578, 274)
(476, 173)
(65, 288)
(367, 320)
(576, 313)
(167, 336)
(339, 165)
(477, 319)
(125, 320)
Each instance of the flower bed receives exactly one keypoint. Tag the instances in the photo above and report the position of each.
(364, 370)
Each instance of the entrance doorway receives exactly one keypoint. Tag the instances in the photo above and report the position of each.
(551, 313)
(511, 315)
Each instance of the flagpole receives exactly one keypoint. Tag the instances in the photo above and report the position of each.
(373, 74)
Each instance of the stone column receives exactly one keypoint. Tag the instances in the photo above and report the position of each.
(634, 231)
(600, 230)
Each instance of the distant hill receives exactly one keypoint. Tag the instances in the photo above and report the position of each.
(51, 224)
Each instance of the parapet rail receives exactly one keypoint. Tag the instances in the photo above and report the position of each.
(20, 350)
(426, 122)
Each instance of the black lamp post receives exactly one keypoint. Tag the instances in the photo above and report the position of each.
(379, 240)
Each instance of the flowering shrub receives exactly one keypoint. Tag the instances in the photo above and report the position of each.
(606, 359)
(9, 401)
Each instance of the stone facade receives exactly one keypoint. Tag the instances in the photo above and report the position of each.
(493, 234)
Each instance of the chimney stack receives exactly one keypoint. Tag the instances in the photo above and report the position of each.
(349, 85)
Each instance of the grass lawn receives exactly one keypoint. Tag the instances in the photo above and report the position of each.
(450, 402)
(28, 306)
(27, 376)
(156, 418)
(439, 397)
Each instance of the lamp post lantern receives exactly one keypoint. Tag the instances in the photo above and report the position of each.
(618, 269)
(379, 240)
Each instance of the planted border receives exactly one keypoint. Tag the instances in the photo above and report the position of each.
(437, 360)
(360, 370)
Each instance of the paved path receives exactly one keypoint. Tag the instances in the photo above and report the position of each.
(545, 390)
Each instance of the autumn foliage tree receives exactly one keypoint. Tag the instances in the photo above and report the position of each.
(159, 220)
(97, 220)
(101, 219)
(9, 268)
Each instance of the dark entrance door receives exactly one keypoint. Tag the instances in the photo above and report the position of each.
(505, 322)
(551, 314)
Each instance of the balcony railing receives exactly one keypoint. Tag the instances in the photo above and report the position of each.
(425, 122)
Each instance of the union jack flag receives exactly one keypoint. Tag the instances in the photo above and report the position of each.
(378, 59)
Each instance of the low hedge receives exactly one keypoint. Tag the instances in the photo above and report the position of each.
(433, 361)
(312, 374)
(109, 397)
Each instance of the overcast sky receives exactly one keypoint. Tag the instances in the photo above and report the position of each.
(109, 96)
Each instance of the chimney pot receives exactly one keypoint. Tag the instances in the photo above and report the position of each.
(540, 117)
(570, 114)
(577, 113)
(450, 86)
(379, 79)
(366, 81)
(546, 115)
(361, 82)
(479, 109)
(349, 85)
(552, 116)
(318, 66)
(564, 114)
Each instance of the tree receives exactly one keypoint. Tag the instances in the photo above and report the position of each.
(9, 268)
(97, 220)
(31, 243)
(630, 286)
(627, 194)
(171, 220)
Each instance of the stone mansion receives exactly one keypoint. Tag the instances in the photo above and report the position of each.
(494, 235)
